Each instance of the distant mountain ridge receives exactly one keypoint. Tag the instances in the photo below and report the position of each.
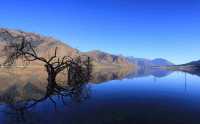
(161, 62)
(194, 63)
(190, 67)
(142, 62)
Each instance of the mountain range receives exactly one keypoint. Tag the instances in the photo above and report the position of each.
(46, 45)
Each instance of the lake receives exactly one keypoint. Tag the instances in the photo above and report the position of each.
(145, 97)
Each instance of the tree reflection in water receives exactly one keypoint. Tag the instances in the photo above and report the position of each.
(21, 112)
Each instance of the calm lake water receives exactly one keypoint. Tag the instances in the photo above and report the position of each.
(156, 97)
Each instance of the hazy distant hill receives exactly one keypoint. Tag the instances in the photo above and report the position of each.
(142, 62)
(161, 62)
(46, 46)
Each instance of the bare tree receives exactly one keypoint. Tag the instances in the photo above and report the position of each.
(78, 69)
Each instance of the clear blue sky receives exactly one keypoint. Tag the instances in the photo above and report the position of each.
(142, 28)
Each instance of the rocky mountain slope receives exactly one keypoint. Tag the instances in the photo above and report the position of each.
(46, 45)
(104, 58)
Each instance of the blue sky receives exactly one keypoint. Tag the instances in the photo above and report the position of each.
(142, 28)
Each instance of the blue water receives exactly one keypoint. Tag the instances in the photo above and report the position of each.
(170, 99)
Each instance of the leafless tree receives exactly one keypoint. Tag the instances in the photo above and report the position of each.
(78, 69)
(78, 72)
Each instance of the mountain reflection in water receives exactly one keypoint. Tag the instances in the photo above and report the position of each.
(121, 96)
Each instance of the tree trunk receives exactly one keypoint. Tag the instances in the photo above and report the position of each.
(51, 76)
